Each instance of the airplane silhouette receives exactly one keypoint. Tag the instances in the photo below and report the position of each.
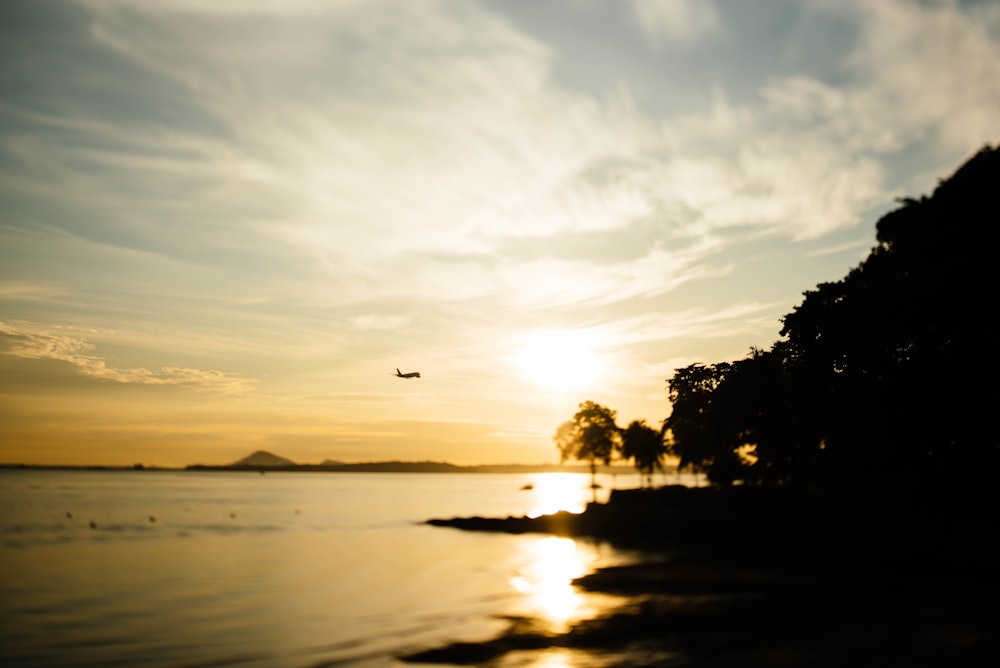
(412, 374)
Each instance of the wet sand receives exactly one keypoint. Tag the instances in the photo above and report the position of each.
(760, 578)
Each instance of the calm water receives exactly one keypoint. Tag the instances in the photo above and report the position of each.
(296, 569)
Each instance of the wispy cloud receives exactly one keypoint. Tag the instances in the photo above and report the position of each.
(676, 21)
(690, 323)
(376, 321)
(449, 144)
(946, 85)
(918, 72)
(32, 343)
(28, 291)
(371, 135)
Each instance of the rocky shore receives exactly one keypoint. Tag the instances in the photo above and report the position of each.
(749, 577)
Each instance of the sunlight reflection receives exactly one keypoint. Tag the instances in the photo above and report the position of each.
(556, 657)
(547, 580)
(558, 491)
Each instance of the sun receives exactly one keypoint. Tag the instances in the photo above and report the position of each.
(559, 360)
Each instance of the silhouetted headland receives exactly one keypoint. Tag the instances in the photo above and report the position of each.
(744, 575)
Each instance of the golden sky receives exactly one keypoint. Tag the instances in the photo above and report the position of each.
(224, 225)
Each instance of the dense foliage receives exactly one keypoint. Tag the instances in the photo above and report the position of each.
(886, 375)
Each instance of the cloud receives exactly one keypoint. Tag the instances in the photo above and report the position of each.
(545, 283)
(288, 159)
(425, 127)
(225, 8)
(928, 69)
(370, 135)
(918, 74)
(380, 322)
(32, 343)
(28, 290)
(698, 323)
(675, 21)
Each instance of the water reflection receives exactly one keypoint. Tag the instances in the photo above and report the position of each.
(547, 579)
(553, 604)
(556, 657)
(553, 492)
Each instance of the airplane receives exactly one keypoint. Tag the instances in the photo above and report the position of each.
(412, 374)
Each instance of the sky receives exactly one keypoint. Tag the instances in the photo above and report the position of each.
(224, 225)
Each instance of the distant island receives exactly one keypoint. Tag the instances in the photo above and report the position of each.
(262, 460)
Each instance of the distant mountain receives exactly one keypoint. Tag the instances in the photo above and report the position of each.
(262, 458)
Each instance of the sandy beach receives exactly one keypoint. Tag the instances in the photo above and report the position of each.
(762, 578)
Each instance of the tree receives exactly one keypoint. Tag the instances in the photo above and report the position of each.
(591, 435)
(754, 417)
(644, 445)
(893, 360)
(885, 379)
(690, 431)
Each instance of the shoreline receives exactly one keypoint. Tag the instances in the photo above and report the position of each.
(751, 577)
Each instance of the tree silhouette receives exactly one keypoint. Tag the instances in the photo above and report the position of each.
(691, 432)
(884, 378)
(644, 445)
(895, 355)
(591, 435)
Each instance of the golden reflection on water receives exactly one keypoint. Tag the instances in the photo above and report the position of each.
(553, 492)
(547, 580)
(556, 657)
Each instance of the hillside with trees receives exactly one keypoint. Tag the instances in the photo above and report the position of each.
(882, 381)
(886, 378)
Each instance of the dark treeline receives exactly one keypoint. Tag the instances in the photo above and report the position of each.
(882, 381)
(885, 379)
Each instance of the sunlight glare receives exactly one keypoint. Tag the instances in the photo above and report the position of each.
(554, 657)
(559, 360)
(548, 579)
(554, 492)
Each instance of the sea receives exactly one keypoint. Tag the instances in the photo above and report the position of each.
(198, 569)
